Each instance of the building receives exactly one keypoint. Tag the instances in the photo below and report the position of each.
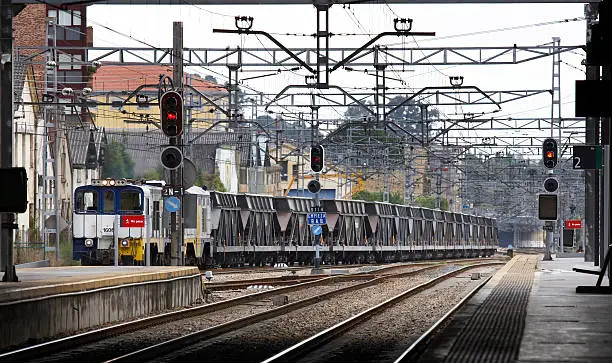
(48, 78)
(124, 102)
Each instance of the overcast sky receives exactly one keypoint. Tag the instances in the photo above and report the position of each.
(487, 25)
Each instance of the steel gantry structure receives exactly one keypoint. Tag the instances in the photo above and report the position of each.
(320, 62)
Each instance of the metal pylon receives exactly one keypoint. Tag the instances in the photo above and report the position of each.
(49, 195)
(555, 111)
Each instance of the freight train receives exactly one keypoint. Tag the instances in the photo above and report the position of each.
(225, 229)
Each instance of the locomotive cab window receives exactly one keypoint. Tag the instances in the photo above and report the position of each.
(86, 201)
(130, 202)
(109, 201)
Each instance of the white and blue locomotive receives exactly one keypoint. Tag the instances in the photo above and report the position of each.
(136, 210)
(234, 229)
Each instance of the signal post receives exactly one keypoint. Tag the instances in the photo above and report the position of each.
(317, 218)
(547, 202)
(171, 114)
(171, 106)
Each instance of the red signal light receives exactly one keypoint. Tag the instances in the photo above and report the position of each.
(171, 112)
(316, 158)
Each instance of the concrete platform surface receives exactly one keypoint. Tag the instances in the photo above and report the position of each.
(559, 325)
(40, 282)
(562, 325)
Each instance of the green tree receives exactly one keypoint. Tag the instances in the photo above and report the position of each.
(395, 198)
(409, 115)
(356, 112)
(429, 201)
(154, 174)
(117, 162)
(210, 181)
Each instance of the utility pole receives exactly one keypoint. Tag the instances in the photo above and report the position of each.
(591, 177)
(176, 176)
(7, 220)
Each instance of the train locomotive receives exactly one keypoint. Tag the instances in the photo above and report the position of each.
(226, 229)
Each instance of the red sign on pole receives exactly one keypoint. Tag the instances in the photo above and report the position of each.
(573, 224)
(133, 221)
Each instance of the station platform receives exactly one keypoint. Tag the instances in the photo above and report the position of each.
(530, 312)
(52, 301)
(45, 281)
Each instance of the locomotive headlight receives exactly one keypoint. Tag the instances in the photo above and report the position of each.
(88, 242)
(125, 243)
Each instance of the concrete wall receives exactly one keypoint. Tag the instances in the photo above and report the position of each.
(227, 163)
(29, 321)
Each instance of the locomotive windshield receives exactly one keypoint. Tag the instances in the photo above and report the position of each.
(109, 201)
(86, 200)
(130, 202)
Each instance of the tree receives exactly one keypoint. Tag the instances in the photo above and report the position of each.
(409, 115)
(210, 181)
(358, 112)
(429, 201)
(117, 162)
(154, 174)
(211, 79)
(394, 198)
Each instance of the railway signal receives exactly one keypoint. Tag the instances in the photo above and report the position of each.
(171, 157)
(547, 207)
(549, 153)
(13, 181)
(316, 158)
(314, 186)
(551, 185)
(171, 108)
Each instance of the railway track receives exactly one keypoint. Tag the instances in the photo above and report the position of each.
(414, 351)
(45, 350)
(354, 340)
(274, 281)
(197, 344)
(252, 301)
(293, 279)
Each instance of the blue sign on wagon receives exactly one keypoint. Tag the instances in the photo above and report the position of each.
(172, 204)
(317, 218)
(316, 230)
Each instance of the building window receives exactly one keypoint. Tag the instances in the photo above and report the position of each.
(284, 166)
(294, 170)
(68, 25)
(69, 62)
(66, 17)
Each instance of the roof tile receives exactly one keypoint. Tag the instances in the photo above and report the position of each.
(128, 78)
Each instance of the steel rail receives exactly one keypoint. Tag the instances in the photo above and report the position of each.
(175, 344)
(317, 340)
(54, 346)
(418, 346)
(275, 281)
(50, 347)
(281, 282)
